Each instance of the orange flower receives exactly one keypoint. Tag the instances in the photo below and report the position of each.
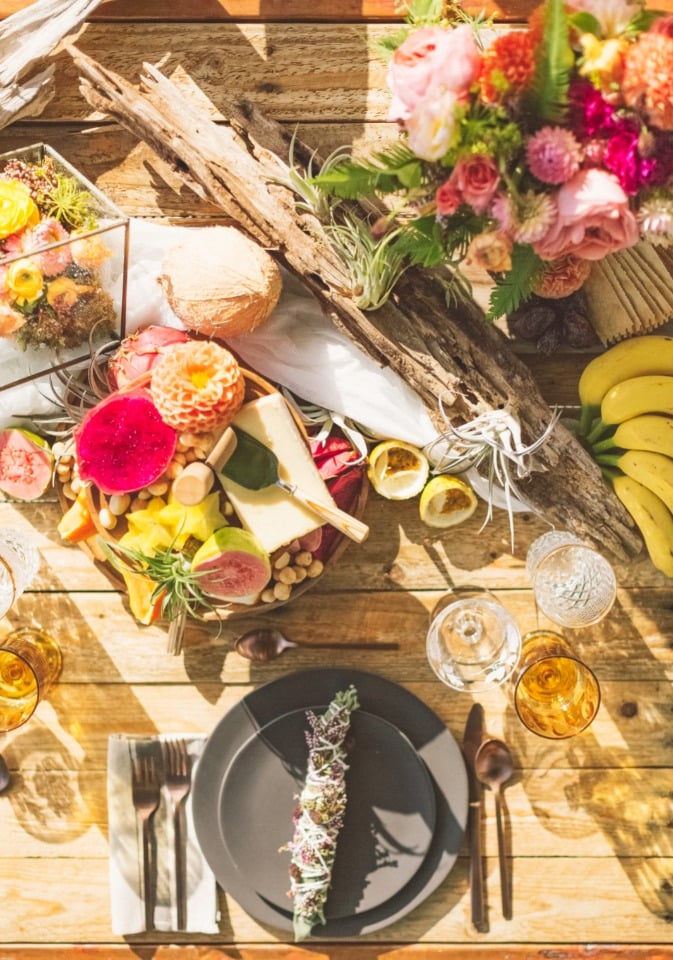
(508, 66)
(648, 81)
(197, 386)
(562, 277)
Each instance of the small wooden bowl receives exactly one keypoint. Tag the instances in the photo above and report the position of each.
(255, 386)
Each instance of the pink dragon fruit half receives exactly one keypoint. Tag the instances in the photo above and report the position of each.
(139, 352)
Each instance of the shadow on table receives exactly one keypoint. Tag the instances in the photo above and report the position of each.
(615, 779)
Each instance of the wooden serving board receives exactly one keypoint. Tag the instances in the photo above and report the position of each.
(255, 387)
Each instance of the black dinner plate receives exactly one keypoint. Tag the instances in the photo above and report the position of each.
(299, 691)
(388, 824)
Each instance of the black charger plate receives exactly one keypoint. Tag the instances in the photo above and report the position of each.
(432, 741)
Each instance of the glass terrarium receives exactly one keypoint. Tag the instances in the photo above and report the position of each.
(63, 266)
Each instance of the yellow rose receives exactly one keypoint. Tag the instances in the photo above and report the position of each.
(17, 208)
(24, 281)
(63, 293)
(603, 60)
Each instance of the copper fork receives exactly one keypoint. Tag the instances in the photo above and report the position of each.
(177, 777)
(146, 795)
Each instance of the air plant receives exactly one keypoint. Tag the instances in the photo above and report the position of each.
(492, 440)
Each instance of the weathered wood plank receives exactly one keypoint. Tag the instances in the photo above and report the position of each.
(342, 951)
(279, 10)
(57, 811)
(630, 731)
(67, 905)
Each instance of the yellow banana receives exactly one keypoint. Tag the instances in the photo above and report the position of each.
(649, 431)
(653, 519)
(636, 357)
(638, 395)
(653, 470)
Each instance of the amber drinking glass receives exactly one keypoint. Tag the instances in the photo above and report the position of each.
(556, 695)
(30, 662)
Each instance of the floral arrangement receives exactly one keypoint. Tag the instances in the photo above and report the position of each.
(50, 289)
(532, 152)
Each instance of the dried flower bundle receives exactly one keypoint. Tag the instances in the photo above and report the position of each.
(320, 812)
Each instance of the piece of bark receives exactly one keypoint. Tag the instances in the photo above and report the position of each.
(27, 37)
(447, 353)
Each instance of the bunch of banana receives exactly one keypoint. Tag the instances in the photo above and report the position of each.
(626, 422)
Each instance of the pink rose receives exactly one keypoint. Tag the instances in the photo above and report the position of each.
(475, 179)
(448, 199)
(431, 59)
(593, 219)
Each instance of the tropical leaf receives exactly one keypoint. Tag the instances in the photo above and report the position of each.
(554, 61)
(585, 22)
(516, 285)
(388, 171)
(386, 46)
(424, 11)
(421, 243)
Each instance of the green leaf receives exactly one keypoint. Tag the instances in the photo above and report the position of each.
(642, 21)
(552, 70)
(421, 243)
(386, 46)
(585, 22)
(388, 171)
(516, 285)
(424, 10)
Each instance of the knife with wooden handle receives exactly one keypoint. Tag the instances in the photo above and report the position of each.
(472, 738)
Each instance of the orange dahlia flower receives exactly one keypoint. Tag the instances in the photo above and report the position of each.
(647, 82)
(508, 66)
(197, 386)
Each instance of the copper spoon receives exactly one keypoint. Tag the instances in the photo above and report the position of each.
(493, 765)
(4, 774)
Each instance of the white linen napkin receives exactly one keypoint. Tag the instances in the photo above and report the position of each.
(126, 903)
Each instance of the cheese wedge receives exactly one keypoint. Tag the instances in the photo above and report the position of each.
(273, 515)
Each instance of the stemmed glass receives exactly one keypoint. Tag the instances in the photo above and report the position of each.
(30, 663)
(473, 642)
(19, 562)
(556, 695)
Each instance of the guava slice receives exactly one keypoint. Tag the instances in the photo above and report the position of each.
(122, 444)
(26, 464)
(232, 565)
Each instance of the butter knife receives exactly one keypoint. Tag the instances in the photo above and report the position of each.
(474, 733)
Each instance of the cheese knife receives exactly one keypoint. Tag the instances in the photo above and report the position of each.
(472, 738)
(248, 462)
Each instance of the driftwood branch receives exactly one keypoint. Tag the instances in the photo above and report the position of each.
(26, 39)
(452, 354)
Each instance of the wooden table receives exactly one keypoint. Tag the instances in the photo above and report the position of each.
(590, 819)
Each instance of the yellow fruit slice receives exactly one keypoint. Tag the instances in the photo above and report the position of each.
(397, 470)
(446, 501)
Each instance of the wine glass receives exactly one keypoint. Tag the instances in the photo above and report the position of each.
(556, 695)
(30, 663)
(473, 642)
(574, 585)
(19, 562)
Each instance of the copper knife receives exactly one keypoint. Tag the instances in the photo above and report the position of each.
(472, 738)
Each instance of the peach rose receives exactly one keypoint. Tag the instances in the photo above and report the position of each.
(431, 59)
(492, 251)
(593, 219)
(475, 180)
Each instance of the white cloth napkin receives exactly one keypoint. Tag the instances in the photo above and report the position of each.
(126, 901)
